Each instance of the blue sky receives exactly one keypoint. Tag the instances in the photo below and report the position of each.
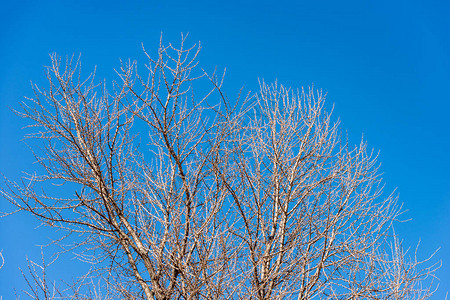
(385, 65)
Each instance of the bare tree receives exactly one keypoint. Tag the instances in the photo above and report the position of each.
(175, 194)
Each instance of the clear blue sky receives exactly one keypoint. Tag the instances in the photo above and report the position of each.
(384, 64)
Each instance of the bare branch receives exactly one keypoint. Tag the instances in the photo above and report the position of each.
(177, 192)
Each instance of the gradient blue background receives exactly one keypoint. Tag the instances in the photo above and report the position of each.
(384, 64)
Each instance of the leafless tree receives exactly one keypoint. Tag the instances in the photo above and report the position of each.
(176, 194)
